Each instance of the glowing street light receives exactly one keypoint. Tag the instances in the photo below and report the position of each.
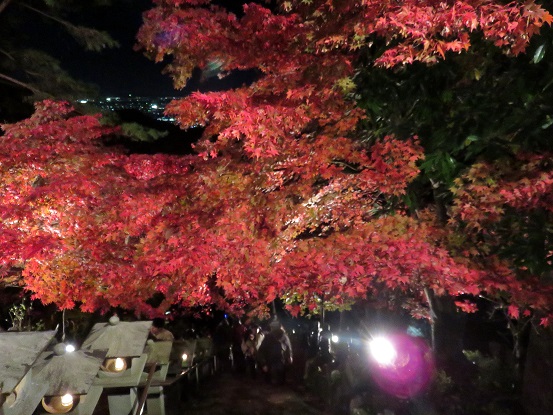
(383, 351)
(403, 366)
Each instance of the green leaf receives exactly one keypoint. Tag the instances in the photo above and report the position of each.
(346, 85)
(470, 139)
(548, 122)
(539, 53)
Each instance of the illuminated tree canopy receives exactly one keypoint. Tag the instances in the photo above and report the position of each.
(286, 197)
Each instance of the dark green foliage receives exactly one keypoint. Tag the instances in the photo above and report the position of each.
(478, 105)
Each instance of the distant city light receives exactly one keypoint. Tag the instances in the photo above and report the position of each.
(335, 338)
(151, 106)
(83, 101)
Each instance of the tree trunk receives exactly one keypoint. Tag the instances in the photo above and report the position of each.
(537, 389)
(448, 330)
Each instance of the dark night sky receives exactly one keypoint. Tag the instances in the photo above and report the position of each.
(120, 71)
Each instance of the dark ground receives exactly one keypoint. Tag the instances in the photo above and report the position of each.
(238, 394)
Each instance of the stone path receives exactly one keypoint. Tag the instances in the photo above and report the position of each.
(233, 394)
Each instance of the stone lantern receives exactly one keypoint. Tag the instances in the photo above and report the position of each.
(20, 393)
(69, 375)
(159, 355)
(124, 363)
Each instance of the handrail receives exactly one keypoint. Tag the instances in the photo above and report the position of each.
(168, 382)
(144, 395)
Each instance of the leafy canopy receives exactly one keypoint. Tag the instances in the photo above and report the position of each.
(286, 199)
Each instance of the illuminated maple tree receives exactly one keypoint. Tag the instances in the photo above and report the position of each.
(286, 199)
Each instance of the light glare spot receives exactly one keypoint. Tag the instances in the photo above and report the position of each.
(119, 364)
(383, 351)
(67, 400)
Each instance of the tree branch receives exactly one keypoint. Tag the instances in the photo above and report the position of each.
(2, 51)
(49, 16)
(22, 84)
(4, 4)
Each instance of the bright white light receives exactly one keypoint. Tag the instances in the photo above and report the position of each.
(83, 101)
(119, 364)
(184, 357)
(153, 106)
(383, 351)
(67, 400)
(335, 338)
(69, 348)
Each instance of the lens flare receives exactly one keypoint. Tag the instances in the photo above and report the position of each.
(383, 351)
(402, 365)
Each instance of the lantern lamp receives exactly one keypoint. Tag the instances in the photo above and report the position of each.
(60, 404)
(115, 365)
(19, 352)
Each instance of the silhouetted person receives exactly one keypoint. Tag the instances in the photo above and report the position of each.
(222, 342)
(238, 331)
(158, 332)
(274, 354)
(249, 350)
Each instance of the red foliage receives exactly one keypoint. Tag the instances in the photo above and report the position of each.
(485, 196)
(284, 202)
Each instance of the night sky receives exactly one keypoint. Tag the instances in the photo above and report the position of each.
(122, 71)
(116, 72)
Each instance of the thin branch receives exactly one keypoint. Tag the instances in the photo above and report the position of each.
(49, 16)
(4, 4)
(21, 84)
(349, 166)
(9, 55)
(92, 39)
(431, 303)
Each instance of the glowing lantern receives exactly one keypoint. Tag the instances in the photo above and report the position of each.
(58, 404)
(114, 365)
